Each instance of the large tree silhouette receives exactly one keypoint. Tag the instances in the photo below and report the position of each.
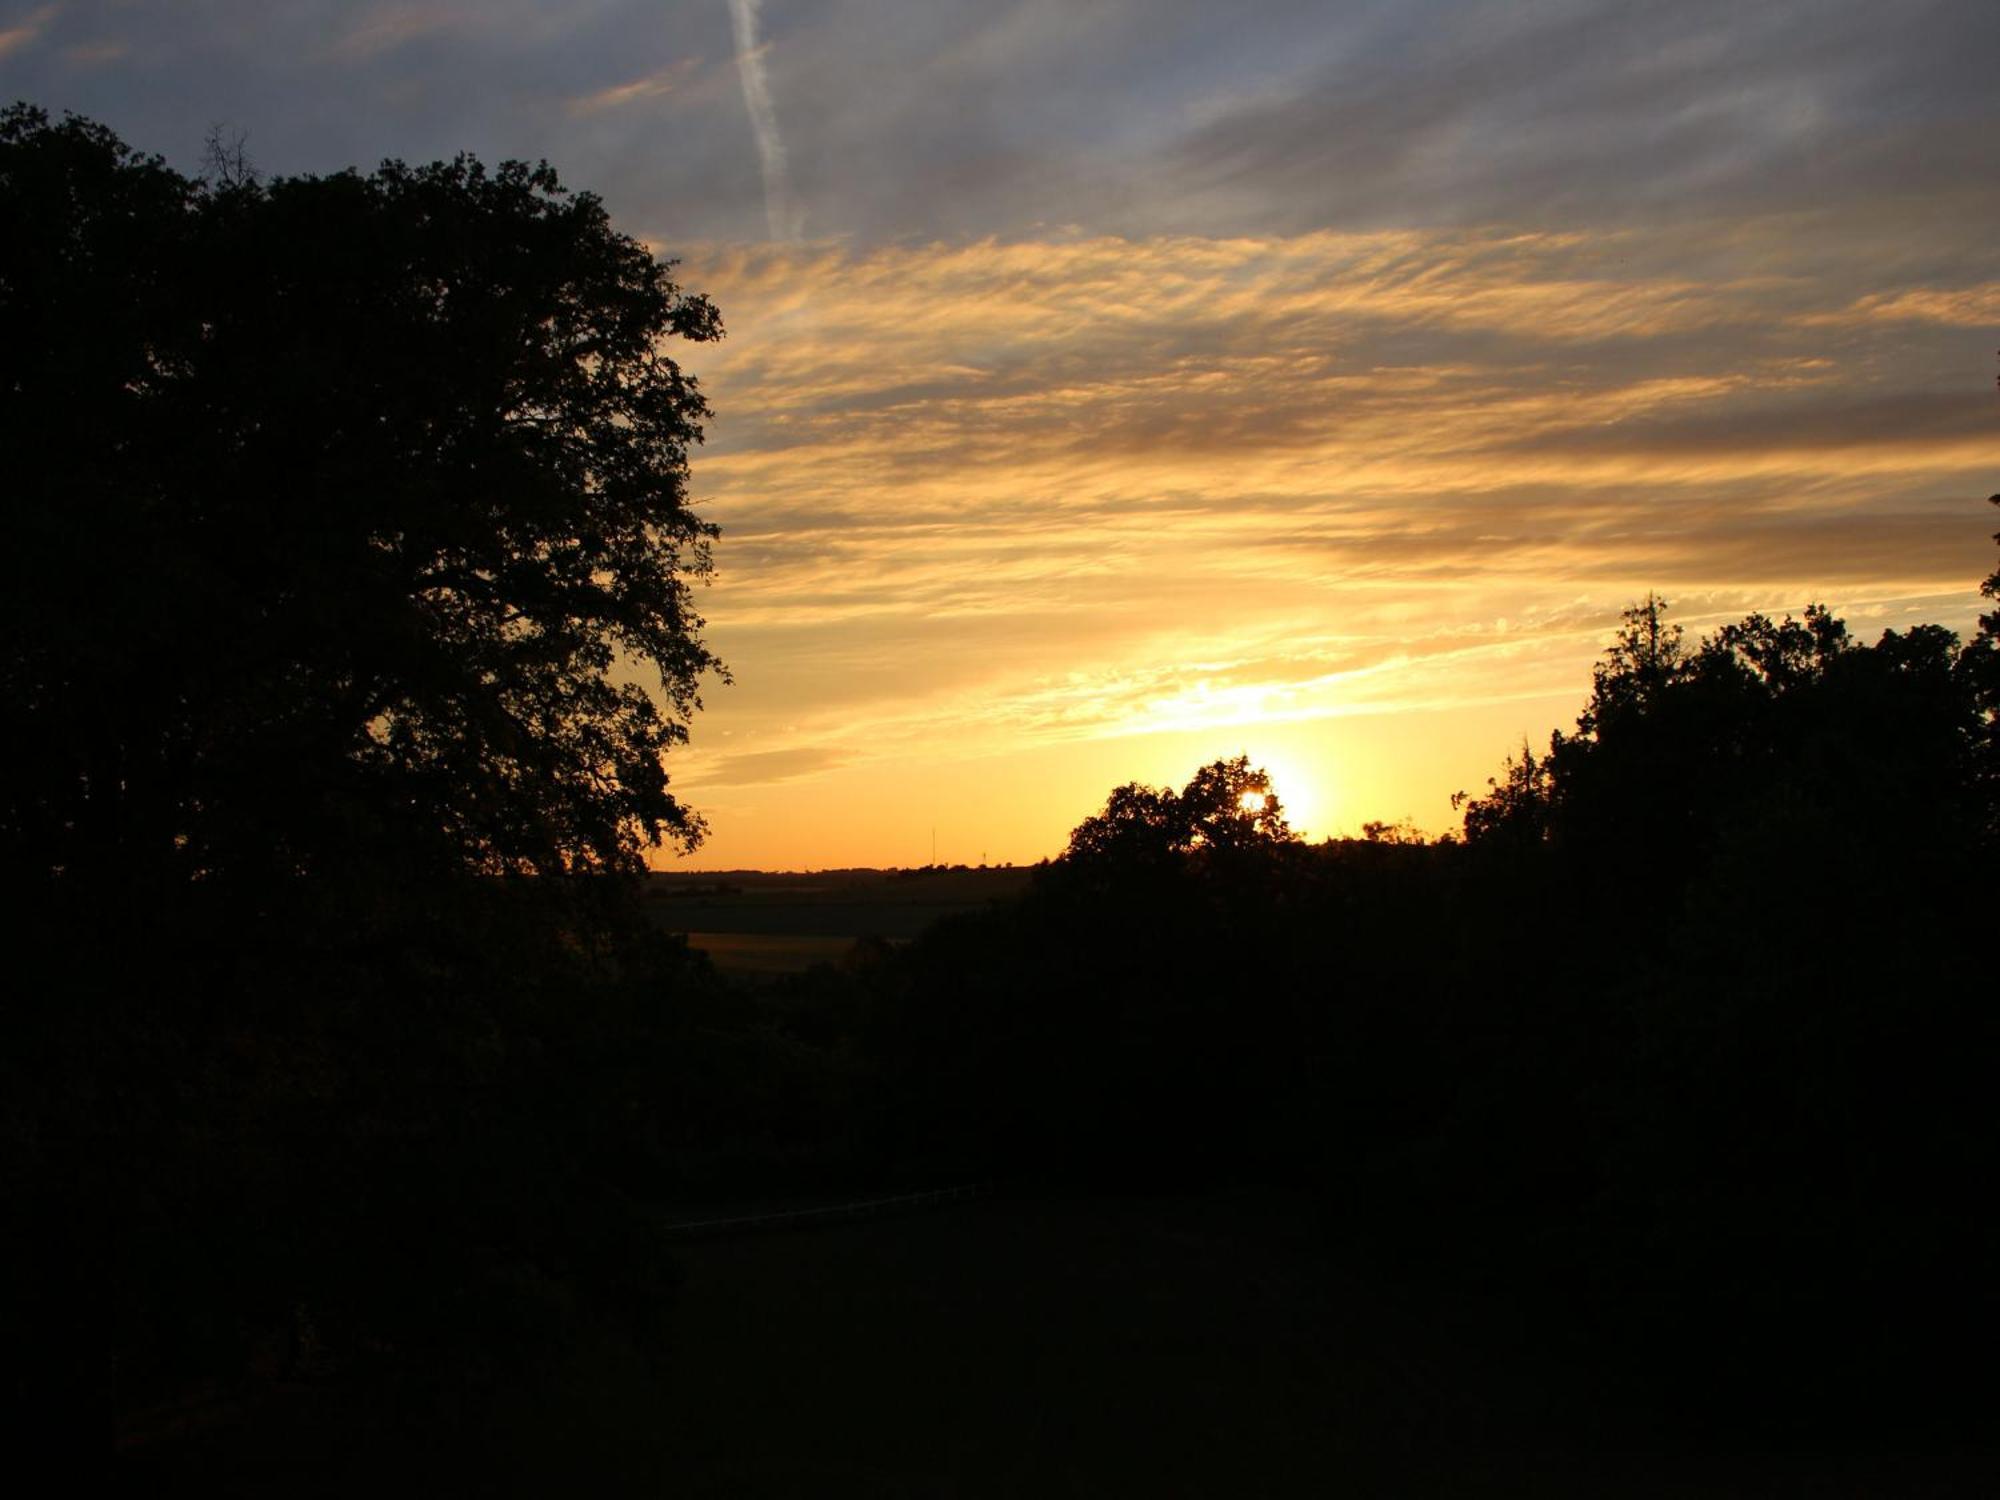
(1227, 805)
(345, 514)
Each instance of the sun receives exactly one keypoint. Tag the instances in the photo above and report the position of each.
(1288, 782)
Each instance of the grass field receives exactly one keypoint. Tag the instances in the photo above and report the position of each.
(1055, 1346)
(1185, 1346)
(754, 926)
(764, 955)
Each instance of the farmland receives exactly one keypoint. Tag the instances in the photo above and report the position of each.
(755, 926)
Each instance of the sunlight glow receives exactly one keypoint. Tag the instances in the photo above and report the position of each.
(1287, 785)
(1373, 566)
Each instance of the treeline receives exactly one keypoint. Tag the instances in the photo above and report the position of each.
(338, 1053)
(1684, 1049)
(1682, 1052)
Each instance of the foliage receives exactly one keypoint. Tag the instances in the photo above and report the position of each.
(1227, 806)
(1684, 1055)
(345, 512)
(1683, 1050)
(341, 507)
(1517, 801)
(1981, 667)
(1989, 624)
(1680, 752)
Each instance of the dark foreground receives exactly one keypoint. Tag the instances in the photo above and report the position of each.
(1213, 1345)
(754, 926)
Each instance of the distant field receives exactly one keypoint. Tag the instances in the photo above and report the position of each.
(759, 955)
(754, 925)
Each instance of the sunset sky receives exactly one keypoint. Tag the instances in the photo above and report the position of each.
(1115, 385)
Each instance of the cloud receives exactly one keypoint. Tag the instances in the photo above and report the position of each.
(960, 119)
(1106, 368)
(1090, 488)
(385, 28)
(1812, 427)
(765, 766)
(1956, 307)
(1572, 113)
(1165, 365)
(786, 221)
(96, 54)
(27, 30)
(652, 86)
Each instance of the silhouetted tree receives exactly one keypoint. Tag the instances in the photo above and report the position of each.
(1517, 802)
(1989, 624)
(1679, 750)
(1227, 805)
(340, 508)
(1980, 665)
(1117, 1020)
(1644, 660)
(344, 514)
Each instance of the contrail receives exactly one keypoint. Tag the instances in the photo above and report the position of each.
(783, 217)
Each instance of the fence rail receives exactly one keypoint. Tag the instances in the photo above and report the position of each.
(800, 1218)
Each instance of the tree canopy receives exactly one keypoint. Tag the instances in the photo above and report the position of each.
(1227, 805)
(347, 513)
(1685, 753)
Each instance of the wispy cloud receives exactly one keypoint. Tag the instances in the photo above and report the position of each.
(785, 218)
(1961, 306)
(1058, 492)
(761, 767)
(96, 54)
(384, 28)
(27, 30)
(1165, 369)
(653, 86)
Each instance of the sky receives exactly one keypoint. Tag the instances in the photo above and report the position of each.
(1112, 386)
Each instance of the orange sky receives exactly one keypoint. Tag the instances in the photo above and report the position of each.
(1112, 387)
(1008, 522)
